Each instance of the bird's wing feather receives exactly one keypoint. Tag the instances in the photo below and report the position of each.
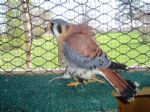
(85, 62)
(83, 51)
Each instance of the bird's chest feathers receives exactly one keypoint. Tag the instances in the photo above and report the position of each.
(76, 71)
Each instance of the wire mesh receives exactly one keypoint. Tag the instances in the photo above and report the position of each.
(122, 29)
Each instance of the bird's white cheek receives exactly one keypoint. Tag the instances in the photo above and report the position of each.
(56, 33)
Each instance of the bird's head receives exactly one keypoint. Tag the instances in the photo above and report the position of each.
(57, 26)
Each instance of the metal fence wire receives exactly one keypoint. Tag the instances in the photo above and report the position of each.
(122, 29)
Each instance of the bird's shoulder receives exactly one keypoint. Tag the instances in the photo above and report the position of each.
(83, 44)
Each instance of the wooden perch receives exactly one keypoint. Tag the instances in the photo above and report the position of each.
(27, 30)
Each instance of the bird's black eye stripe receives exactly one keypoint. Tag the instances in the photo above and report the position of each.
(59, 29)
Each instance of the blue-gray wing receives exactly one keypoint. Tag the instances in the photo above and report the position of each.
(84, 61)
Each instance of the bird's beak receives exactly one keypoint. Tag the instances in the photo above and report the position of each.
(47, 27)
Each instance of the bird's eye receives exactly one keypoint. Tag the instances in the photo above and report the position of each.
(52, 24)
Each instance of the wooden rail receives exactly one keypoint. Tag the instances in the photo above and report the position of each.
(28, 34)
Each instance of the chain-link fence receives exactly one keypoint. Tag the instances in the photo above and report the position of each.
(122, 29)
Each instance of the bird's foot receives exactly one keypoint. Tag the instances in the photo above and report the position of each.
(74, 84)
(78, 82)
(85, 82)
(94, 79)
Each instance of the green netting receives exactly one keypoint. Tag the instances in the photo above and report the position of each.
(34, 94)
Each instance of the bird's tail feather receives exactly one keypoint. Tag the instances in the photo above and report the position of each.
(126, 88)
(117, 66)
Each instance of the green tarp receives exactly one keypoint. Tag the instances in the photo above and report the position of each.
(34, 94)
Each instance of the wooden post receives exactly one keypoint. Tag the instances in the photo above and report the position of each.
(141, 102)
(28, 35)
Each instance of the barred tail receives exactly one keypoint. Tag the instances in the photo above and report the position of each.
(126, 88)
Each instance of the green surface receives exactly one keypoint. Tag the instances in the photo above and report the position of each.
(35, 94)
(121, 47)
